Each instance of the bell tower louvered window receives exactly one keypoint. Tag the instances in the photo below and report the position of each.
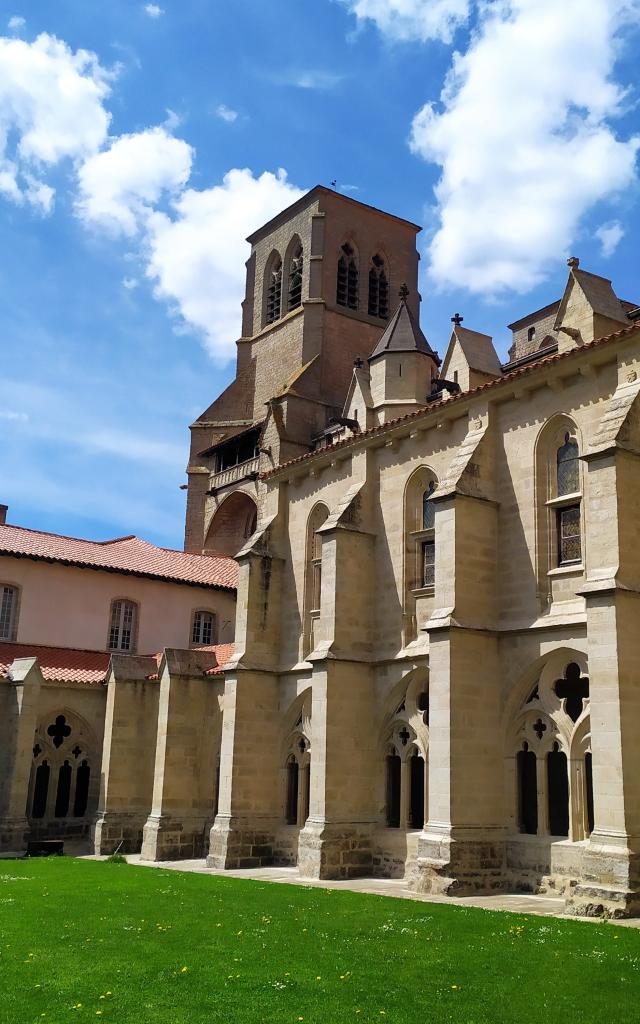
(347, 280)
(274, 292)
(378, 289)
(295, 278)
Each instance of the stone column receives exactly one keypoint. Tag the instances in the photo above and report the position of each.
(336, 839)
(611, 864)
(126, 784)
(185, 762)
(462, 847)
(19, 726)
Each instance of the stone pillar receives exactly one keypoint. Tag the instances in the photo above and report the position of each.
(250, 798)
(126, 784)
(611, 864)
(249, 803)
(185, 762)
(19, 726)
(336, 840)
(462, 847)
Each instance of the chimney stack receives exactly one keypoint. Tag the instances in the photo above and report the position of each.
(3, 514)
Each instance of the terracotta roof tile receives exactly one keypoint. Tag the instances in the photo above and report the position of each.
(129, 555)
(58, 664)
(223, 653)
(425, 410)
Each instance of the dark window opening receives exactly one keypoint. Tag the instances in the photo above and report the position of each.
(237, 450)
(292, 792)
(307, 792)
(274, 293)
(416, 806)
(41, 790)
(393, 791)
(423, 706)
(347, 279)
(588, 785)
(428, 508)
(295, 279)
(527, 791)
(378, 290)
(558, 792)
(64, 791)
(82, 790)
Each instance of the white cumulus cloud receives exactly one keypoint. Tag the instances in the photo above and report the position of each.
(525, 140)
(119, 187)
(225, 113)
(15, 23)
(610, 235)
(421, 20)
(51, 109)
(196, 256)
(153, 10)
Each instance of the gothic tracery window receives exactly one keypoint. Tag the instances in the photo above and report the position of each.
(347, 278)
(123, 625)
(61, 784)
(568, 524)
(405, 760)
(378, 289)
(313, 586)
(296, 264)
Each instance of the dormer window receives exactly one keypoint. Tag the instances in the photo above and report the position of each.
(347, 279)
(378, 289)
(295, 279)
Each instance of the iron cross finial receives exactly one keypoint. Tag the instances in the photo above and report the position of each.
(457, 319)
(404, 291)
(358, 363)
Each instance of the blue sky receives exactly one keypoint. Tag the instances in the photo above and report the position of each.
(130, 174)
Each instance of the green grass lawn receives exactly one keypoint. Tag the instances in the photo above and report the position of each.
(84, 941)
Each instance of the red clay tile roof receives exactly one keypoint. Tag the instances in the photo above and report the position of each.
(129, 555)
(425, 410)
(223, 653)
(58, 664)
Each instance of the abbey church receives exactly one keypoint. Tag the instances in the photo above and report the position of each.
(402, 639)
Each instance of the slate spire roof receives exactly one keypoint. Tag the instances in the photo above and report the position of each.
(403, 334)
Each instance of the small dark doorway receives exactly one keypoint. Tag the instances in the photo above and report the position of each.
(307, 793)
(82, 790)
(393, 791)
(416, 810)
(558, 791)
(527, 791)
(41, 790)
(292, 792)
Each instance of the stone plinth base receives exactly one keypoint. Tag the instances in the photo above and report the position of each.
(335, 850)
(167, 838)
(238, 843)
(610, 882)
(459, 864)
(115, 832)
(14, 835)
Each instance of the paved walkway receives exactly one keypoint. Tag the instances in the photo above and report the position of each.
(520, 903)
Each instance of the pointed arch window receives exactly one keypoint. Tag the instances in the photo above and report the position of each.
(427, 539)
(274, 291)
(313, 585)
(8, 611)
(568, 515)
(378, 289)
(294, 299)
(347, 278)
(123, 626)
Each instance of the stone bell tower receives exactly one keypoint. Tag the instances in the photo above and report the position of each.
(320, 278)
